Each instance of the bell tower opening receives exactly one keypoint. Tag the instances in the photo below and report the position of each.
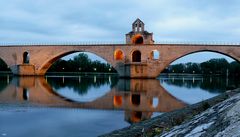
(137, 39)
(137, 26)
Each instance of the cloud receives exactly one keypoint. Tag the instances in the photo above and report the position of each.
(105, 20)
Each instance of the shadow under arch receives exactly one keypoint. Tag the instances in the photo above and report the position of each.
(47, 64)
(4, 66)
(199, 51)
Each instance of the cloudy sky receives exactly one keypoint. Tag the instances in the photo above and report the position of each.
(100, 21)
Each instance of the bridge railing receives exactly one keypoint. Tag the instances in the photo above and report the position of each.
(110, 43)
(60, 43)
(197, 43)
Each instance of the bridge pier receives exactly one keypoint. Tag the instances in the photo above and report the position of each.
(23, 70)
(137, 70)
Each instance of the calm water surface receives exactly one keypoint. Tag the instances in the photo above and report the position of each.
(93, 105)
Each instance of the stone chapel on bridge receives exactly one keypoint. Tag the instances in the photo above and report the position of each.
(138, 35)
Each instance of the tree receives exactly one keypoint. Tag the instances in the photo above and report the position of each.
(234, 68)
(215, 66)
(177, 68)
(212, 66)
(193, 68)
(80, 63)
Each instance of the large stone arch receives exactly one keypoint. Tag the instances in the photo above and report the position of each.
(51, 59)
(188, 52)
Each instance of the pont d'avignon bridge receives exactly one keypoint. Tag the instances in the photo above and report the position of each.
(134, 61)
(139, 57)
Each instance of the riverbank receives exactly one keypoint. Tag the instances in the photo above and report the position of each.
(202, 118)
(191, 75)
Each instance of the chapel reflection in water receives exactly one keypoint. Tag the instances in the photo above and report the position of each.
(139, 98)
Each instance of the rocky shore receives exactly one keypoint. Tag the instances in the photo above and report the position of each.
(218, 116)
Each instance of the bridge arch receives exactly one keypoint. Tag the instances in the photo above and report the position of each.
(212, 51)
(179, 56)
(50, 61)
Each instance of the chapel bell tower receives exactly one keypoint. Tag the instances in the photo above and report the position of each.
(138, 35)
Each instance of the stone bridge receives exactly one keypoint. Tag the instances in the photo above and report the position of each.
(133, 61)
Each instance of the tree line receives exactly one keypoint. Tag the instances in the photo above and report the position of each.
(81, 63)
(213, 66)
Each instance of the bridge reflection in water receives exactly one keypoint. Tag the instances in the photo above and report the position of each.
(139, 98)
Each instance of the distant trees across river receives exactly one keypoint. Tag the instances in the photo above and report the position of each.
(81, 63)
(213, 66)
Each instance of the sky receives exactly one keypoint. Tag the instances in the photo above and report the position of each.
(107, 21)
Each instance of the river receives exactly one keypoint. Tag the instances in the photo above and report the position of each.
(91, 105)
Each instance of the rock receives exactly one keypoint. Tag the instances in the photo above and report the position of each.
(222, 119)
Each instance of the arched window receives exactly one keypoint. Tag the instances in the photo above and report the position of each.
(136, 26)
(26, 58)
(155, 54)
(136, 56)
(118, 55)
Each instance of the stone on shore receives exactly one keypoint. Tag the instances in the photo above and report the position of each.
(223, 119)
